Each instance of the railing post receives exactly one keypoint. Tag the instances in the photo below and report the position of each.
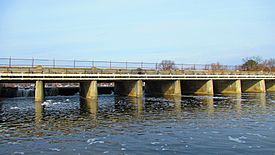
(74, 63)
(93, 63)
(110, 64)
(141, 65)
(32, 62)
(10, 62)
(156, 66)
(53, 63)
(126, 65)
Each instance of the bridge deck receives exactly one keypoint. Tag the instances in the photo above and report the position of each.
(114, 77)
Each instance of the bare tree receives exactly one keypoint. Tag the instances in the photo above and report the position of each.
(269, 64)
(217, 66)
(166, 65)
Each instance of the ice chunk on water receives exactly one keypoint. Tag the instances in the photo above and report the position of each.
(153, 143)
(55, 149)
(215, 132)
(256, 134)
(46, 103)
(18, 153)
(238, 140)
(14, 108)
(94, 141)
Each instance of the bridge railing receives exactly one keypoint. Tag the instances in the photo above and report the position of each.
(91, 66)
(56, 63)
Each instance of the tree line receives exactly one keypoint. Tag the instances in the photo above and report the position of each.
(254, 63)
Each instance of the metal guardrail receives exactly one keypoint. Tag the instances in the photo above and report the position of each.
(77, 77)
(56, 63)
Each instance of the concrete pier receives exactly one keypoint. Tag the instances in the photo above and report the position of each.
(253, 86)
(39, 91)
(88, 89)
(200, 87)
(132, 88)
(163, 88)
(270, 85)
(227, 86)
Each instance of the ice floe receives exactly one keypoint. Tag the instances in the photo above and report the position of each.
(55, 149)
(238, 140)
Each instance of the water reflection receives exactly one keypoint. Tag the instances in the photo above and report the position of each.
(121, 125)
(261, 98)
(177, 103)
(138, 103)
(209, 102)
(238, 103)
(89, 105)
(38, 113)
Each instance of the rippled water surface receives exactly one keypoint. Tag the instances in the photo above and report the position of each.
(234, 124)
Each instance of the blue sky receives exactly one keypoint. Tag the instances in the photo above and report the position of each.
(186, 31)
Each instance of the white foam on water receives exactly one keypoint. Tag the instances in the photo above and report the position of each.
(123, 149)
(256, 134)
(91, 140)
(215, 132)
(46, 103)
(13, 108)
(55, 149)
(242, 137)
(238, 140)
(94, 141)
(154, 143)
(163, 148)
(13, 143)
(105, 152)
(18, 153)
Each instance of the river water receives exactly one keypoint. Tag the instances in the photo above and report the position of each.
(233, 124)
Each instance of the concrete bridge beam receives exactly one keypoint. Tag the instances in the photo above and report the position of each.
(163, 87)
(201, 87)
(132, 88)
(39, 91)
(227, 86)
(270, 85)
(88, 89)
(253, 86)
